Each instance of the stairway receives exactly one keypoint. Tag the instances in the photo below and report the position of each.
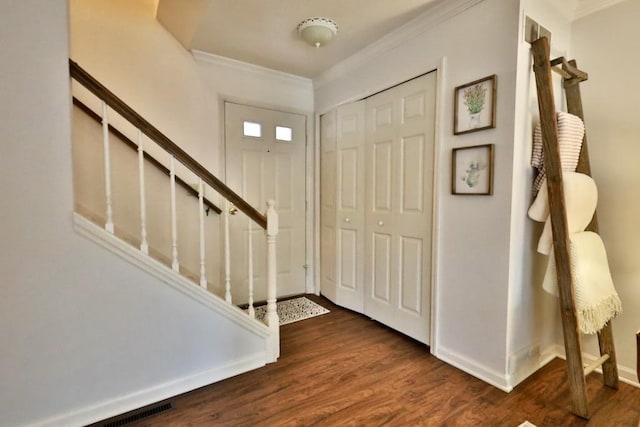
(141, 204)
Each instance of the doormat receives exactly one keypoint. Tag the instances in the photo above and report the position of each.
(293, 310)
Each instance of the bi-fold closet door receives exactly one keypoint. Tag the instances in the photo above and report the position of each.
(377, 158)
(342, 205)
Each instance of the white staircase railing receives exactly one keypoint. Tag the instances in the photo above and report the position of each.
(268, 221)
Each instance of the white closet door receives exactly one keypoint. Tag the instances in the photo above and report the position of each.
(350, 206)
(342, 201)
(265, 159)
(328, 135)
(399, 177)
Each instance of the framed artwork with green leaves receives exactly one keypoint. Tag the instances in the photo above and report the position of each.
(475, 106)
(472, 170)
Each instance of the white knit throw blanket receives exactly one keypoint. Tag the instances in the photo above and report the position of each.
(596, 299)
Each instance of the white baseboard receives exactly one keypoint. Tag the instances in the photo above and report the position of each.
(627, 375)
(530, 365)
(507, 383)
(488, 375)
(123, 404)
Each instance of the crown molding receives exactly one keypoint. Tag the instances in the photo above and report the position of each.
(236, 65)
(587, 7)
(566, 8)
(440, 12)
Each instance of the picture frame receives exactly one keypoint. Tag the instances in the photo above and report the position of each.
(475, 105)
(472, 170)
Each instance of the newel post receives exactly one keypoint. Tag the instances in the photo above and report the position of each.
(271, 319)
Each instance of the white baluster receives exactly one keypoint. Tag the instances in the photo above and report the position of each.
(174, 222)
(271, 319)
(107, 168)
(203, 278)
(252, 312)
(144, 246)
(227, 255)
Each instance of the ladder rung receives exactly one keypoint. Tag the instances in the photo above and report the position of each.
(560, 71)
(595, 364)
(569, 69)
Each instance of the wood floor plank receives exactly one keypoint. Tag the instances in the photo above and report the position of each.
(344, 369)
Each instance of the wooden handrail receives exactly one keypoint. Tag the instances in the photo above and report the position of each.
(129, 143)
(119, 106)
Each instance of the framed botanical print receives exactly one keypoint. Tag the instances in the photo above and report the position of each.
(472, 170)
(475, 106)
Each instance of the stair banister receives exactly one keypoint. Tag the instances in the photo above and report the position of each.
(227, 252)
(210, 206)
(203, 277)
(144, 245)
(271, 318)
(119, 106)
(107, 168)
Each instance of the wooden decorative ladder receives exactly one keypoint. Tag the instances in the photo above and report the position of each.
(571, 79)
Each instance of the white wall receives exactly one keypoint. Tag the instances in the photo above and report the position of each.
(84, 334)
(121, 44)
(472, 250)
(605, 45)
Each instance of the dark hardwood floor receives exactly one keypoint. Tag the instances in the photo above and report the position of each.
(344, 369)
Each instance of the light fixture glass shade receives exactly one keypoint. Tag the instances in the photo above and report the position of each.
(317, 31)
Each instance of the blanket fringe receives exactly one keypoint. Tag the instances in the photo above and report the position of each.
(592, 319)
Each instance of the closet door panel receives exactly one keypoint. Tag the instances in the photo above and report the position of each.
(348, 179)
(381, 176)
(411, 279)
(349, 210)
(350, 215)
(328, 283)
(347, 258)
(412, 173)
(381, 269)
(399, 162)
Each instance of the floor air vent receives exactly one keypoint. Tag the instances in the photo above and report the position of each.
(138, 415)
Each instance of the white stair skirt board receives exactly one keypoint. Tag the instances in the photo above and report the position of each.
(165, 274)
(293, 310)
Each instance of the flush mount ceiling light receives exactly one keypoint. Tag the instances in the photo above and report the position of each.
(317, 31)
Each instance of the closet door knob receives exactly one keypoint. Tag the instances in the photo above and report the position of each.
(347, 220)
(380, 223)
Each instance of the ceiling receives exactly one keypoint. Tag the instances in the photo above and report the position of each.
(263, 32)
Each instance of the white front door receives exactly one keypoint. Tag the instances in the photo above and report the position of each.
(265, 159)
(399, 186)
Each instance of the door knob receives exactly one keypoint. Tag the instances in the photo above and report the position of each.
(380, 223)
(347, 220)
(233, 211)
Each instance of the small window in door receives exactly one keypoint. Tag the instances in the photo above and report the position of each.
(284, 134)
(252, 129)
